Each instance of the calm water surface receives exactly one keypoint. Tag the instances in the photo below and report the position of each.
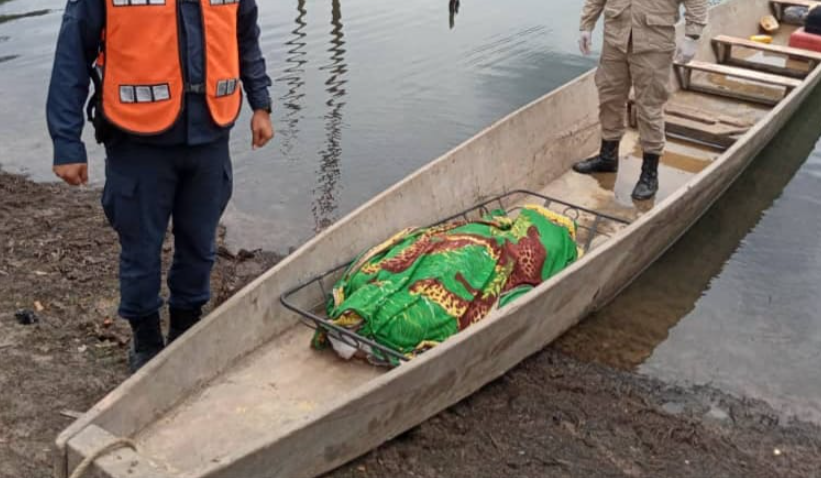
(756, 330)
(366, 92)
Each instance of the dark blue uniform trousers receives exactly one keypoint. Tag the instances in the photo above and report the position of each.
(148, 184)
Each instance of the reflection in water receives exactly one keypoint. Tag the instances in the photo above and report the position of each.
(407, 101)
(453, 9)
(627, 331)
(325, 204)
(17, 16)
(294, 78)
(6, 58)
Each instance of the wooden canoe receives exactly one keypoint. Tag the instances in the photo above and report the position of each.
(242, 394)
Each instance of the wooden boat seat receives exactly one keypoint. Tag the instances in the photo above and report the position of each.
(778, 6)
(684, 74)
(723, 46)
(693, 124)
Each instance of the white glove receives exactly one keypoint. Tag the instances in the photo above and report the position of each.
(585, 39)
(686, 50)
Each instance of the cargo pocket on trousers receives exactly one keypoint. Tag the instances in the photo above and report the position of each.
(227, 185)
(120, 203)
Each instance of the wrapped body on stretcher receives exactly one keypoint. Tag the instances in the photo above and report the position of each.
(423, 285)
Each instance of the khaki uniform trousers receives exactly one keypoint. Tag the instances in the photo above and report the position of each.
(649, 75)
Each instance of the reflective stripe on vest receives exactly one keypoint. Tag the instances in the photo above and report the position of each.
(219, 19)
(143, 86)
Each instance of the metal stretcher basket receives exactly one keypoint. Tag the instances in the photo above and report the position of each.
(314, 315)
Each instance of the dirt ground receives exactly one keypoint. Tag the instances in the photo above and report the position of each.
(552, 416)
(58, 259)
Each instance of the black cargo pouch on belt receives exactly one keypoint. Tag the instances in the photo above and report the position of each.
(94, 111)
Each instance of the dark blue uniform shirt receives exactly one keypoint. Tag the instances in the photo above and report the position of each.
(77, 47)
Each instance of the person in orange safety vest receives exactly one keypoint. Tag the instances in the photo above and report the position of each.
(168, 77)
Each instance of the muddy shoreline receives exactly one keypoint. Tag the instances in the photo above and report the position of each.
(553, 415)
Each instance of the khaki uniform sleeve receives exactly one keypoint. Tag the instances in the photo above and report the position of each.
(695, 16)
(591, 12)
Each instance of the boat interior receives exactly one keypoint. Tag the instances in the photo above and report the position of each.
(730, 86)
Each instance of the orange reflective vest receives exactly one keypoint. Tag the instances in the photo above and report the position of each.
(143, 85)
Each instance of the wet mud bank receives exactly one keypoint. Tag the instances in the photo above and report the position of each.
(554, 415)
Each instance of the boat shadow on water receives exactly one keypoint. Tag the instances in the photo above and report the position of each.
(626, 332)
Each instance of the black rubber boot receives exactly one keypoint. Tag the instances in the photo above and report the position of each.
(181, 320)
(146, 341)
(649, 180)
(607, 161)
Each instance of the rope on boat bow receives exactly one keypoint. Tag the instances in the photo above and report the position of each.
(115, 445)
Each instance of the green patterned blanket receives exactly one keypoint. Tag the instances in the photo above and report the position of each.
(425, 284)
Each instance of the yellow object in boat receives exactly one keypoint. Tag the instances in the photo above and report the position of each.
(762, 38)
(769, 24)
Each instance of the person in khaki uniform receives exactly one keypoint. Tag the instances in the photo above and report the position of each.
(638, 51)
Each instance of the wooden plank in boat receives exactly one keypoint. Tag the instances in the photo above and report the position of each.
(696, 126)
(808, 55)
(708, 117)
(684, 74)
(723, 46)
(766, 68)
(716, 135)
(717, 130)
(743, 73)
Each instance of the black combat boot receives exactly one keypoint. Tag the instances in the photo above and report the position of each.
(146, 341)
(181, 320)
(649, 180)
(607, 161)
